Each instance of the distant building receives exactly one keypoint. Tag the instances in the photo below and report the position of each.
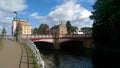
(4, 33)
(59, 29)
(78, 32)
(25, 27)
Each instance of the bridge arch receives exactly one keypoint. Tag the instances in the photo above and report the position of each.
(44, 45)
(72, 46)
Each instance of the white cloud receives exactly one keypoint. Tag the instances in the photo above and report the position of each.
(35, 15)
(12, 5)
(69, 10)
(6, 10)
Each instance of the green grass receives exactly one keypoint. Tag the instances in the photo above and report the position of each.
(32, 56)
(30, 52)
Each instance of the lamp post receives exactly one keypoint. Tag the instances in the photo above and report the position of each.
(15, 14)
(16, 32)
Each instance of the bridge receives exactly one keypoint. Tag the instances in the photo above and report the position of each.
(57, 40)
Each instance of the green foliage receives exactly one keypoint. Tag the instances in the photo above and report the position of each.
(43, 26)
(35, 31)
(3, 31)
(18, 29)
(68, 25)
(87, 30)
(32, 55)
(106, 26)
(70, 28)
(74, 28)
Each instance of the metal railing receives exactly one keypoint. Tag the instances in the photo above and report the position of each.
(34, 49)
(36, 52)
(60, 36)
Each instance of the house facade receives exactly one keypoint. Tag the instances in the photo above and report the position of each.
(25, 27)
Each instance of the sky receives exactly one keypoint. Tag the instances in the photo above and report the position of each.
(51, 12)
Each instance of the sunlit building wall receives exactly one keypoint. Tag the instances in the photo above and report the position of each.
(26, 28)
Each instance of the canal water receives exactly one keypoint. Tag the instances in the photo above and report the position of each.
(65, 58)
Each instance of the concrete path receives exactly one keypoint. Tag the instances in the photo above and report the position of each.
(10, 54)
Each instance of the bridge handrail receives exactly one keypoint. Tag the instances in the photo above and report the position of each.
(60, 36)
(75, 35)
(37, 36)
(36, 52)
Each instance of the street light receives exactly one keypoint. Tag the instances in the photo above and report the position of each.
(16, 14)
(16, 34)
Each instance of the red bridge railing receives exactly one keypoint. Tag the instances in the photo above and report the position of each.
(60, 36)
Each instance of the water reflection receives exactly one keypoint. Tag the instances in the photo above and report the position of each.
(65, 59)
(69, 61)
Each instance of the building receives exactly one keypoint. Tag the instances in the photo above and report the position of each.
(79, 32)
(25, 27)
(59, 29)
(4, 33)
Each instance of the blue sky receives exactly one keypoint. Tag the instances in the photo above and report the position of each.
(51, 12)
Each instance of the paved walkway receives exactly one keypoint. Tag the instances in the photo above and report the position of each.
(10, 54)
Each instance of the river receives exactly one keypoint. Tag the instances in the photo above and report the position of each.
(65, 59)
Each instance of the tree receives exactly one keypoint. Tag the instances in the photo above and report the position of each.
(106, 33)
(18, 29)
(4, 32)
(114, 20)
(106, 22)
(86, 30)
(73, 28)
(35, 31)
(70, 28)
(101, 28)
(43, 26)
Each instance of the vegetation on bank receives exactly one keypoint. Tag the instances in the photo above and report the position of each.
(31, 54)
(106, 33)
(106, 26)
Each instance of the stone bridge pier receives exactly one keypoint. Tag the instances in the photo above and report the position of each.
(88, 43)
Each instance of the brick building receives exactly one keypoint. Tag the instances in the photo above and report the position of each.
(59, 29)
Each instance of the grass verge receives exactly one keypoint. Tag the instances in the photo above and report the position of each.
(32, 56)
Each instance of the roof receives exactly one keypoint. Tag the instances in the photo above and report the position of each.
(57, 26)
(20, 19)
(24, 23)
